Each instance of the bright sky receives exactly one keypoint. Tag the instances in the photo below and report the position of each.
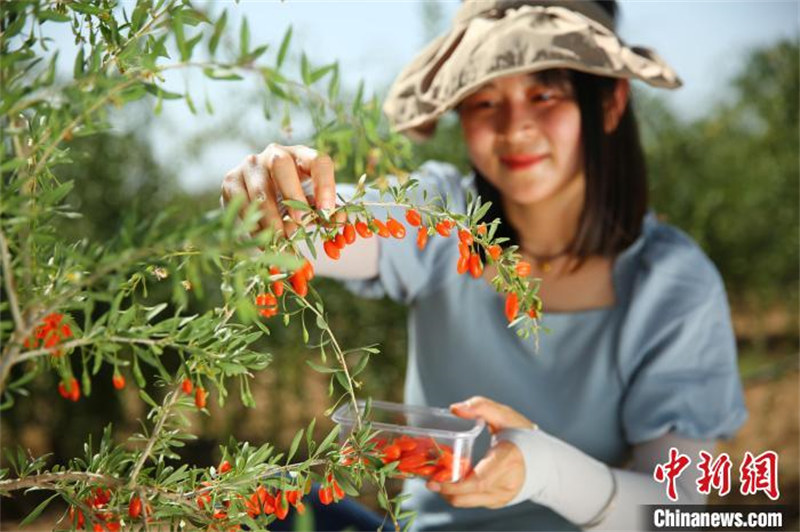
(704, 41)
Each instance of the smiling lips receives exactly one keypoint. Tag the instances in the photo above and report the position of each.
(518, 162)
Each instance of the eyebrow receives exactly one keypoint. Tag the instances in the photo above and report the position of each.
(536, 77)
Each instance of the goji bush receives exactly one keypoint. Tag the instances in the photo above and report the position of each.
(72, 307)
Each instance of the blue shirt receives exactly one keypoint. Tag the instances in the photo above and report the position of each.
(661, 359)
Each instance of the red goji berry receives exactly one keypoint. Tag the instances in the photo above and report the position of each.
(512, 306)
(339, 241)
(281, 507)
(135, 507)
(200, 397)
(494, 251)
(118, 381)
(382, 230)
(443, 229)
(475, 266)
(482, 229)
(532, 313)
(363, 229)
(397, 229)
(331, 249)
(300, 507)
(299, 283)
(463, 250)
(325, 495)
(349, 233)
(277, 286)
(523, 268)
(308, 270)
(187, 386)
(463, 265)
(224, 467)
(422, 238)
(413, 218)
(465, 237)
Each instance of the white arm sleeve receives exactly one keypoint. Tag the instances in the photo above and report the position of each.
(359, 260)
(578, 486)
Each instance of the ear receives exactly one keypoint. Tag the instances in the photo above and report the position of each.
(615, 105)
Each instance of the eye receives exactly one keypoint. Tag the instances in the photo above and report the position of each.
(483, 104)
(546, 96)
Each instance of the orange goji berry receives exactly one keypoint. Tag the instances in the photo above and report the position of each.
(523, 268)
(397, 229)
(463, 250)
(482, 229)
(422, 238)
(413, 218)
(349, 233)
(187, 386)
(308, 270)
(475, 266)
(465, 237)
(118, 381)
(363, 229)
(331, 249)
(281, 507)
(200, 397)
(277, 286)
(443, 229)
(512, 306)
(382, 230)
(494, 251)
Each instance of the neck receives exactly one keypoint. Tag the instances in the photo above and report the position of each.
(547, 228)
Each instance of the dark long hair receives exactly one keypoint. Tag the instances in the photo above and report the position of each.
(616, 174)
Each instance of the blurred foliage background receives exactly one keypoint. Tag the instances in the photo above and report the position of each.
(729, 179)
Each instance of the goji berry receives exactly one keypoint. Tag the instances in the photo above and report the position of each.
(277, 286)
(465, 237)
(532, 313)
(443, 229)
(72, 514)
(422, 238)
(349, 233)
(135, 507)
(118, 381)
(200, 397)
(299, 283)
(406, 443)
(463, 250)
(293, 496)
(382, 230)
(363, 229)
(70, 390)
(300, 507)
(512, 306)
(331, 249)
(224, 467)
(308, 270)
(523, 268)
(252, 505)
(494, 251)
(475, 266)
(325, 495)
(413, 218)
(281, 507)
(187, 386)
(391, 453)
(482, 229)
(219, 514)
(463, 265)
(397, 229)
(339, 241)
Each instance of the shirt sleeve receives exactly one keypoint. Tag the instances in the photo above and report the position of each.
(404, 271)
(687, 380)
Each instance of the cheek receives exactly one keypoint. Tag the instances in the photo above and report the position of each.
(480, 144)
(565, 134)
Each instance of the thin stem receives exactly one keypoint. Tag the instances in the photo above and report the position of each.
(48, 479)
(11, 289)
(165, 411)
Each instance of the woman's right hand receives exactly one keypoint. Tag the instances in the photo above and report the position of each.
(279, 172)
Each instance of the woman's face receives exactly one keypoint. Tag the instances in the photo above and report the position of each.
(524, 137)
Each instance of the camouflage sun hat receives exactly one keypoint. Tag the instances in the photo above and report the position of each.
(494, 38)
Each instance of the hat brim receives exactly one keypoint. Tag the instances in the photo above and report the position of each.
(526, 39)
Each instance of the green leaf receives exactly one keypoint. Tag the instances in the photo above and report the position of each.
(78, 69)
(86, 8)
(284, 47)
(305, 70)
(55, 16)
(161, 93)
(329, 438)
(360, 366)
(219, 27)
(244, 38)
(38, 510)
(319, 73)
(295, 444)
(297, 205)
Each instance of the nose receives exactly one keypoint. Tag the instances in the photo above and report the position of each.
(518, 122)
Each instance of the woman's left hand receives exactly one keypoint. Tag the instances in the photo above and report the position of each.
(497, 478)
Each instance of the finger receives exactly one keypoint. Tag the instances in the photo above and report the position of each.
(233, 186)
(497, 416)
(485, 474)
(321, 169)
(474, 500)
(259, 191)
(282, 170)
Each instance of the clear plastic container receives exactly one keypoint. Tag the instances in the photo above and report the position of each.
(426, 442)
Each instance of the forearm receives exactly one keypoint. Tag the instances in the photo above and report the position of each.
(580, 487)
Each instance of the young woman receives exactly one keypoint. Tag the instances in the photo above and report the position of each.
(641, 357)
